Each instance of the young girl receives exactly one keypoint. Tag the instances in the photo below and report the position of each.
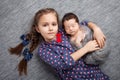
(79, 35)
(55, 49)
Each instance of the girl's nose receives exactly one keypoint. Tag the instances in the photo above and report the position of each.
(50, 27)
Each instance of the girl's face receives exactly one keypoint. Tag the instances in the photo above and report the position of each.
(48, 26)
(71, 27)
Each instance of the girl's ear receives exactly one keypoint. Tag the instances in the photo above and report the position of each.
(37, 29)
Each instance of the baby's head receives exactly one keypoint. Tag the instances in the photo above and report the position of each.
(70, 23)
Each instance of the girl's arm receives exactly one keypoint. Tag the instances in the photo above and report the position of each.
(89, 47)
(98, 34)
(64, 61)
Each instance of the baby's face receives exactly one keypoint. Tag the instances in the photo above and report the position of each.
(71, 27)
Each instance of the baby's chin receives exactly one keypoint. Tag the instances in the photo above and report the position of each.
(72, 34)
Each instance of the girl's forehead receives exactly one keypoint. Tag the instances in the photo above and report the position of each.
(48, 14)
(50, 17)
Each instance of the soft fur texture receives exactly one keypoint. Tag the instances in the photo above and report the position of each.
(16, 17)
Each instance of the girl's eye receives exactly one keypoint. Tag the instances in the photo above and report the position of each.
(44, 25)
(54, 24)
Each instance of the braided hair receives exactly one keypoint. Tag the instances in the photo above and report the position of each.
(32, 38)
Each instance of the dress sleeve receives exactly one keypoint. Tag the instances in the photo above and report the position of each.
(59, 61)
(84, 22)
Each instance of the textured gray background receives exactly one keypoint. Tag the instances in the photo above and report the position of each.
(15, 17)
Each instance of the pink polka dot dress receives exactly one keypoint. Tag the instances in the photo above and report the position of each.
(57, 55)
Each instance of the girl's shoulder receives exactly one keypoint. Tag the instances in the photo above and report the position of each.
(84, 26)
(88, 31)
(61, 30)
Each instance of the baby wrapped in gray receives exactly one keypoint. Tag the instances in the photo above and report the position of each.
(96, 57)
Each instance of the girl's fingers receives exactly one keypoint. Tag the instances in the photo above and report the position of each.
(102, 43)
(97, 48)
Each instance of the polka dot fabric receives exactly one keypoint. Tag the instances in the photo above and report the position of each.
(58, 56)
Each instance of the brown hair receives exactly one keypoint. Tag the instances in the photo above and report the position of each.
(34, 37)
(69, 16)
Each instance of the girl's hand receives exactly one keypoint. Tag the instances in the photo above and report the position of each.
(99, 37)
(91, 46)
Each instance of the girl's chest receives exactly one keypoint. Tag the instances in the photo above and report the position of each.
(62, 48)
